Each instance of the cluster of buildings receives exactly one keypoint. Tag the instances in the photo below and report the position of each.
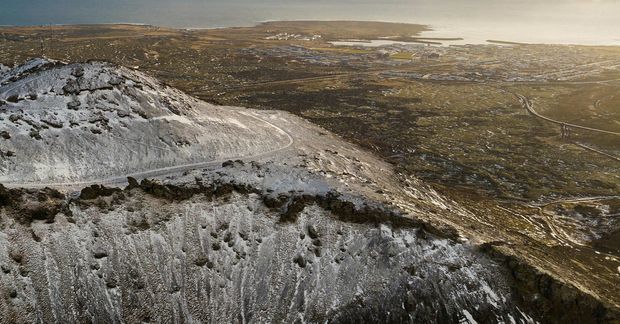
(287, 36)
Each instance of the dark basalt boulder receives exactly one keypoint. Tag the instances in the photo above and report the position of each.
(26, 206)
(96, 191)
(72, 87)
(78, 72)
(13, 98)
(74, 104)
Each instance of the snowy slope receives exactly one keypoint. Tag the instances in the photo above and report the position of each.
(92, 121)
(231, 260)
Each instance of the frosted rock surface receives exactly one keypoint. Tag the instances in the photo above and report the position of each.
(93, 121)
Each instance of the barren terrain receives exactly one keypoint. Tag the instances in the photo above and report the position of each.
(456, 148)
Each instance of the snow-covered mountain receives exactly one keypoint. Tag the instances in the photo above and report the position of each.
(76, 122)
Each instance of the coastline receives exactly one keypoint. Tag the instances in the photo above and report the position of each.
(427, 34)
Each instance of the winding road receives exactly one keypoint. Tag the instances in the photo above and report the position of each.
(122, 179)
(529, 106)
(159, 172)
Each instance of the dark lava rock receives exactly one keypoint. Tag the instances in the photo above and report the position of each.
(296, 206)
(201, 261)
(7, 196)
(98, 118)
(53, 123)
(231, 163)
(78, 72)
(26, 206)
(551, 300)
(13, 98)
(5, 135)
(72, 87)
(301, 262)
(312, 232)
(170, 192)
(223, 189)
(132, 183)
(273, 202)
(17, 257)
(116, 81)
(74, 104)
(7, 153)
(46, 210)
(100, 254)
(35, 134)
(96, 191)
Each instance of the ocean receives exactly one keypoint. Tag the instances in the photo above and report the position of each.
(587, 22)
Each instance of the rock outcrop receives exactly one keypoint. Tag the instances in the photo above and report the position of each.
(216, 252)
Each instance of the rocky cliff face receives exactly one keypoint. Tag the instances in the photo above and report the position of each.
(219, 253)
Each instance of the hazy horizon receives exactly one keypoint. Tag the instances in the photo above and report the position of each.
(559, 21)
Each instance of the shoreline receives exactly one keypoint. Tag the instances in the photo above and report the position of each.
(256, 24)
(419, 38)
